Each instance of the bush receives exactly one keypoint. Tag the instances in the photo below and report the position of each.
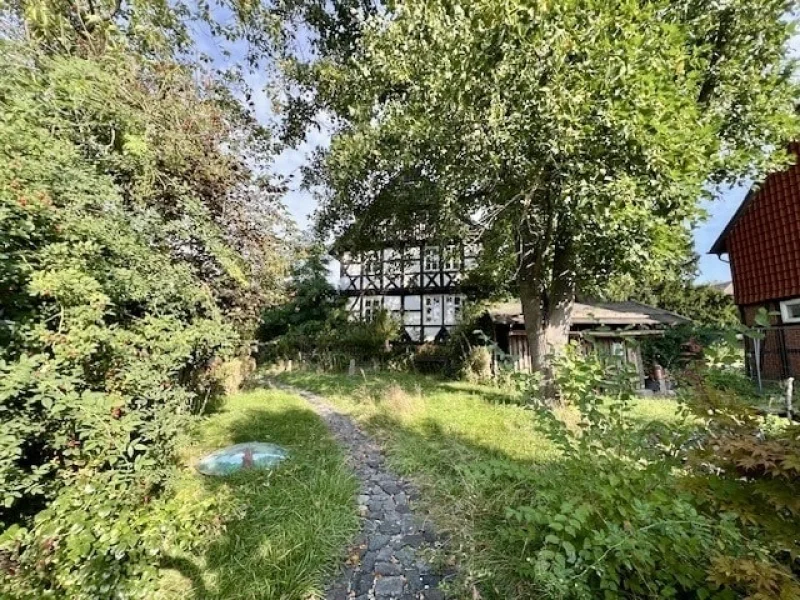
(364, 339)
(313, 305)
(620, 515)
(608, 528)
(468, 346)
(672, 349)
(314, 323)
(119, 288)
(231, 374)
(749, 467)
(478, 364)
(731, 382)
(335, 341)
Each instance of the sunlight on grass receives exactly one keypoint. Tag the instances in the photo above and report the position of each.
(286, 528)
(467, 412)
(437, 432)
(482, 417)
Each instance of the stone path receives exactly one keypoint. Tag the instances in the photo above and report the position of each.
(386, 561)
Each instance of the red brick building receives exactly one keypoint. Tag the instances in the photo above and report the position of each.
(762, 242)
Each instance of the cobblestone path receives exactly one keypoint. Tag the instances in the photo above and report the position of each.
(385, 561)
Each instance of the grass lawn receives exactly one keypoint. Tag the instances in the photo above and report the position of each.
(285, 529)
(436, 433)
(465, 417)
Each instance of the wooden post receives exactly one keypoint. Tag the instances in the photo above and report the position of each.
(757, 349)
(789, 392)
(352, 369)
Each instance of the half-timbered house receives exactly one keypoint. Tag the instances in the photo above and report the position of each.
(420, 283)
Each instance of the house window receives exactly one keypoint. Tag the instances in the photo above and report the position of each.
(371, 263)
(433, 310)
(431, 259)
(393, 305)
(371, 308)
(452, 258)
(392, 267)
(452, 309)
(790, 311)
(471, 252)
(411, 317)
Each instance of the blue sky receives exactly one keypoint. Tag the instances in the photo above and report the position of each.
(301, 204)
(720, 211)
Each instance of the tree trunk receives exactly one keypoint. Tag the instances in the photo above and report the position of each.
(547, 292)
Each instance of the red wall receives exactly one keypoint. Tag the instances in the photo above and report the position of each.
(764, 244)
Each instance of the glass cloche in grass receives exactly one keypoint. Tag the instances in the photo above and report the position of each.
(249, 455)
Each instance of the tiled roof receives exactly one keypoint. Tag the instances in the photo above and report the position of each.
(763, 240)
(597, 313)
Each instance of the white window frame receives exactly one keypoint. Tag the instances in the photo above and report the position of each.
(786, 311)
(452, 258)
(453, 307)
(432, 259)
(432, 310)
(372, 263)
(372, 305)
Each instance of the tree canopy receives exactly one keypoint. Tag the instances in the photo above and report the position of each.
(579, 135)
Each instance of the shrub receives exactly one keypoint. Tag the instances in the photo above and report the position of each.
(478, 364)
(231, 374)
(732, 382)
(313, 322)
(748, 466)
(364, 339)
(670, 349)
(340, 339)
(608, 528)
(312, 306)
(120, 291)
(618, 515)
(465, 359)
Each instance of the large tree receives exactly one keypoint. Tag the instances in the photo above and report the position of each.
(579, 134)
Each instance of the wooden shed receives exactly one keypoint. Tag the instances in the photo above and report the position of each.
(603, 326)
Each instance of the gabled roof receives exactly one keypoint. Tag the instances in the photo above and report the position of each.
(373, 230)
(720, 245)
(762, 239)
(623, 314)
